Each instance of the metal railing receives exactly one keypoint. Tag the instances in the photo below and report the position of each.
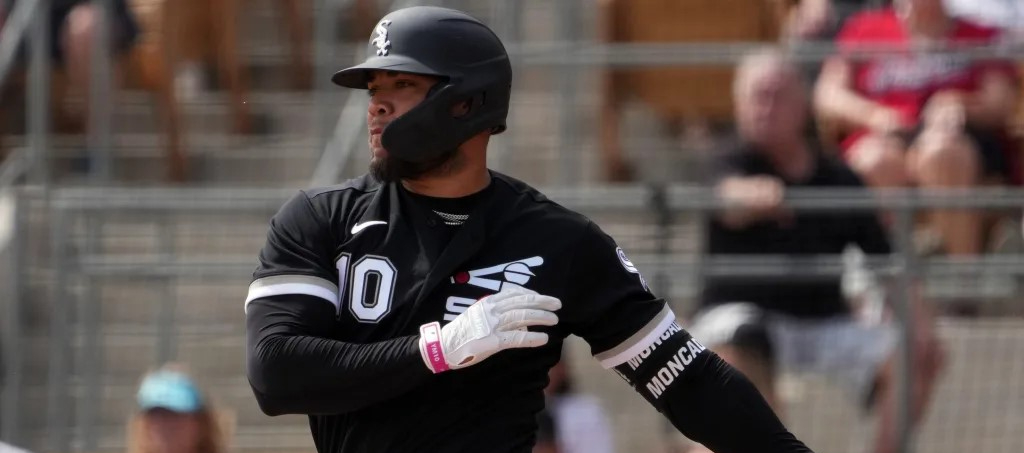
(24, 19)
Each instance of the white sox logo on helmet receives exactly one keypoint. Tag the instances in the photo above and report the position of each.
(381, 41)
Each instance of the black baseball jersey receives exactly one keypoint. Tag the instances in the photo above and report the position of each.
(349, 273)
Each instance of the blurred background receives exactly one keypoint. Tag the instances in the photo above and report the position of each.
(145, 144)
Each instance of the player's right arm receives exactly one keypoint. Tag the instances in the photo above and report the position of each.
(294, 364)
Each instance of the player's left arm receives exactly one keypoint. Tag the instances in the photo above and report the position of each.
(636, 334)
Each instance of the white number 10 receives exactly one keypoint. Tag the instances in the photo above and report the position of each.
(372, 289)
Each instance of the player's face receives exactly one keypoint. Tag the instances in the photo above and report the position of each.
(392, 94)
(770, 108)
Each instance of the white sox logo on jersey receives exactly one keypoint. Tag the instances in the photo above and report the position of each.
(514, 273)
(494, 278)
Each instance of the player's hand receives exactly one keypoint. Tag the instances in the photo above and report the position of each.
(492, 324)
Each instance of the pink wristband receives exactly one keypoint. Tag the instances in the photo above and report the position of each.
(431, 335)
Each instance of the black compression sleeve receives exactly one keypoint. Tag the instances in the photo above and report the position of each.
(705, 398)
(294, 369)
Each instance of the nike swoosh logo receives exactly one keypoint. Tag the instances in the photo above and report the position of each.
(362, 226)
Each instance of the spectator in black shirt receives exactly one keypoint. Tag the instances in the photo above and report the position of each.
(799, 324)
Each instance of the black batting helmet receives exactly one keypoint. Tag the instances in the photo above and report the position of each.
(468, 57)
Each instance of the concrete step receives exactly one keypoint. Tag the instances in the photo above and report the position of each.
(210, 349)
(214, 160)
(142, 302)
(156, 236)
(211, 111)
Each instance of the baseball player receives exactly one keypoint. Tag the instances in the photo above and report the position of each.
(418, 308)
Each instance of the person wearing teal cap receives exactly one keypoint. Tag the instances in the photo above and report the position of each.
(170, 390)
(173, 416)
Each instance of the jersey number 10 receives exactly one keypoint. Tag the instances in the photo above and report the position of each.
(372, 286)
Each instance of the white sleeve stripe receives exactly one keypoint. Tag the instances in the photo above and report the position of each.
(293, 284)
(639, 341)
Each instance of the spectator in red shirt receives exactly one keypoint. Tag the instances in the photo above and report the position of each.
(924, 119)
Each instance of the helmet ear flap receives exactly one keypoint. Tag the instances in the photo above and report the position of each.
(468, 106)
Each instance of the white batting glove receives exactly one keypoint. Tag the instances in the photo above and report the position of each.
(494, 323)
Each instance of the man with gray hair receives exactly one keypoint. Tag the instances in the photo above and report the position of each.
(798, 324)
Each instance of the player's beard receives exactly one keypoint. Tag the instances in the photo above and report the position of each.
(390, 169)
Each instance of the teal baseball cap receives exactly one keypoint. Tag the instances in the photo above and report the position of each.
(169, 390)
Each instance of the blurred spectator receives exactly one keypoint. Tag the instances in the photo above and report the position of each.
(581, 425)
(211, 36)
(1005, 14)
(762, 324)
(206, 33)
(298, 22)
(173, 417)
(73, 25)
(926, 119)
(809, 20)
(689, 100)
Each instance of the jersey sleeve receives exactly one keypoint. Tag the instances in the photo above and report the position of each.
(296, 259)
(612, 307)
